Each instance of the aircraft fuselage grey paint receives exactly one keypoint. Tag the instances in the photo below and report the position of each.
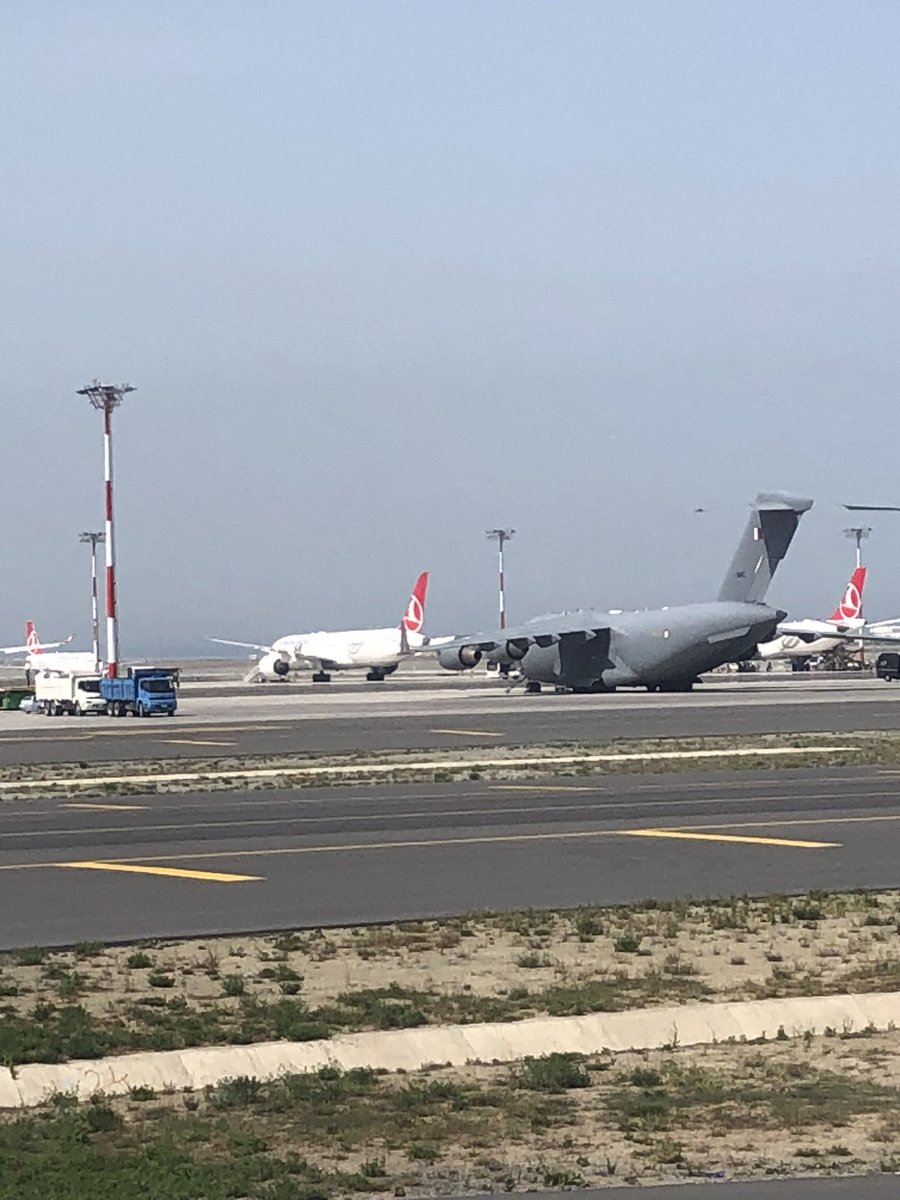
(659, 648)
(667, 647)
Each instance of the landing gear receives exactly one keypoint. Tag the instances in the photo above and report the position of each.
(375, 676)
(532, 688)
(321, 677)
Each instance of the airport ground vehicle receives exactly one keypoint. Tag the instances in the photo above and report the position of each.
(68, 695)
(141, 692)
(14, 697)
(887, 666)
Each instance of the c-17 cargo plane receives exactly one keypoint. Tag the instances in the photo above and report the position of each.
(665, 649)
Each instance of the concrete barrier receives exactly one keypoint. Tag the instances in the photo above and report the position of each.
(456, 1045)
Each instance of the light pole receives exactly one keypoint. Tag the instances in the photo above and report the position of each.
(858, 532)
(93, 540)
(107, 397)
(500, 536)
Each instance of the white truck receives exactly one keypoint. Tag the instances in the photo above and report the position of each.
(68, 695)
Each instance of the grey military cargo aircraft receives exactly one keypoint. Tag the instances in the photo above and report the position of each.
(664, 649)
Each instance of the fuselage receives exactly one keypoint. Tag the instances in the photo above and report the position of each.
(654, 648)
(346, 648)
(800, 639)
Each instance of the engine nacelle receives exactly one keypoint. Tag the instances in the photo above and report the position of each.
(517, 650)
(272, 666)
(463, 658)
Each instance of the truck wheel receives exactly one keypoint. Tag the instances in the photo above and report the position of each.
(50, 710)
(140, 711)
(79, 711)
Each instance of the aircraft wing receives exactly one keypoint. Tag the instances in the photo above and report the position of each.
(244, 645)
(28, 649)
(543, 631)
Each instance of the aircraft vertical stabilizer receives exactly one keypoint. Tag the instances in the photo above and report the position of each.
(772, 524)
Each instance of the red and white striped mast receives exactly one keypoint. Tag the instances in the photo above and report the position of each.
(107, 397)
(501, 536)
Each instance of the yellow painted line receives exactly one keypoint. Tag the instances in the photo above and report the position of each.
(106, 807)
(724, 837)
(468, 732)
(169, 872)
(367, 847)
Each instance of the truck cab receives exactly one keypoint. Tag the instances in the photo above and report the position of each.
(58, 695)
(140, 692)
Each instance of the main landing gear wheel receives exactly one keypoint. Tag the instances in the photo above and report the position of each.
(375, 676)
(532, 688)
(321, 677)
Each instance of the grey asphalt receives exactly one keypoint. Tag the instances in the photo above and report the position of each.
(869, 1187)
(318, 857)
(392, 717)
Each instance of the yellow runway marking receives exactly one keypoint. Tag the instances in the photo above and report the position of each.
(169, 872)
(724, 837)
(468, 732)
(107, 807)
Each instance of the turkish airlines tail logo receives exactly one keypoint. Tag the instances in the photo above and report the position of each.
(32, 641)
(414, 617)
(850, 607)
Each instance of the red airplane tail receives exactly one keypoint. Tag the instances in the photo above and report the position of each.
(850, 607)
(32, 641)
(414, 617)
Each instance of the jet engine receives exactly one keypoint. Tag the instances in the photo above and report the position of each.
(272, 666)
(463, 658)
(516, 650)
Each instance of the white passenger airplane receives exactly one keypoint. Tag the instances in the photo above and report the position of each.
(801, 639)
(377, 651)
(39, 661)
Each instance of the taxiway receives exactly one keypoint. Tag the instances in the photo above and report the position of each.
(205, 863)
(390, 716)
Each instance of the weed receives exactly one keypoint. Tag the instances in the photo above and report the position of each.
(30, 956)
(159, 979)
(627, 943)
(553, 1073)
(138, 961)
(423, 1152)
(233, 985)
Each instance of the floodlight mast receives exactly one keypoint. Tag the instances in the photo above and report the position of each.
(107, 397)
(93, 540)
(500, 536)
(858, 532)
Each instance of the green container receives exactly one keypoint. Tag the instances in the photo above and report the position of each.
(14, 697)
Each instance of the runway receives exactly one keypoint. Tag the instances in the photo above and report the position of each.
(166, 866)
(390, 716)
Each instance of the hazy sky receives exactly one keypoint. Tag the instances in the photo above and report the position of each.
(386, 274)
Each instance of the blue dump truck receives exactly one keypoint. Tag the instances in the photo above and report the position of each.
(140, 692)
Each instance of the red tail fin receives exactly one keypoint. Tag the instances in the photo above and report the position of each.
(414, 617)
(32, 641)
(851, 603)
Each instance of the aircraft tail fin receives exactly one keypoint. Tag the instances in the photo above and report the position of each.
(414, 617)
(32, 641)
(851, 605)
(770, 529)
